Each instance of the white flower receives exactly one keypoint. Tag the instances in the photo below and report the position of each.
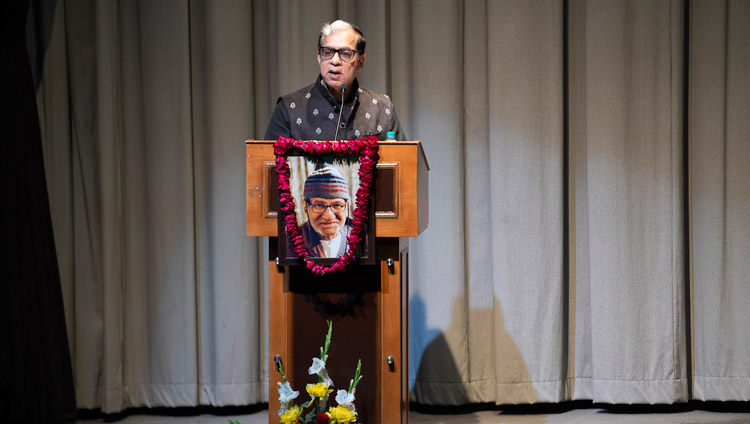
(286, 395)
(315, 112)
(319, 367)
(318, 130)
(331, 115)
(367, 115)
(292, 105)
(307, 95)
(346, 399)
(356, 133)
(299, 121)
(374, 101)
(380, 128)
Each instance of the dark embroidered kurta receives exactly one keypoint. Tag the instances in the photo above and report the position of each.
(311, 113)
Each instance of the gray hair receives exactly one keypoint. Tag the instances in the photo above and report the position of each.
(338, 25)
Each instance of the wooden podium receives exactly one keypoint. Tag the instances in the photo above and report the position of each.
(368, 304)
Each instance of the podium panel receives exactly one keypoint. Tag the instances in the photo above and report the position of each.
(368, 306)
(351, 302)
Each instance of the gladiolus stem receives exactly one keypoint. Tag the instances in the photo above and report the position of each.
(281, 371)
(324, 353)
(353, 383)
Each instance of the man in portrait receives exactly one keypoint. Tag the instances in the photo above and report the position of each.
(326, 205)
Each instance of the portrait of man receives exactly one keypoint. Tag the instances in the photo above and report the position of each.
(327, 212)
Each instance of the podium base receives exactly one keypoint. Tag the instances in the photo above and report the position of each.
(368, 306)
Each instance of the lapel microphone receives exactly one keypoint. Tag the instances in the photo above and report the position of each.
(343, 88)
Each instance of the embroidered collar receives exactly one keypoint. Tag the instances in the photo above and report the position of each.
(321, 86)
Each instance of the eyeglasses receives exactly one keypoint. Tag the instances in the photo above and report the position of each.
(321, 207)
(345, 54)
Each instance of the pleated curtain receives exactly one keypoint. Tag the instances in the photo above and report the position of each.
(589, 206)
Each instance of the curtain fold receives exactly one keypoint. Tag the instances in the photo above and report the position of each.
(145, 107)
(627, 157)
(719, 162)
(230, 310)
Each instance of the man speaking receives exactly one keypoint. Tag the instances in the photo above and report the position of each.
(335, 106)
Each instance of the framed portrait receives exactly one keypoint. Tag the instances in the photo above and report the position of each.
(327, 197)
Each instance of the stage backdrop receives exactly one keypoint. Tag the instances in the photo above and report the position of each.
(589, 192)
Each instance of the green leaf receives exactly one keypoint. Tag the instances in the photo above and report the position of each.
(311, 417)
(324, 353)
(281, 371)
(357, 376)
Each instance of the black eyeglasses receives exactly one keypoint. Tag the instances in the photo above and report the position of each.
(321, 207)
(345, 54)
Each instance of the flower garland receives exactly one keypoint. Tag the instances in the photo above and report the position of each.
(367, 149)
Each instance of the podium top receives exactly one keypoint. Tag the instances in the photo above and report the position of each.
(401, 199)
(417, 143)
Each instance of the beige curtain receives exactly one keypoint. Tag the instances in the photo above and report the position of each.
(627, 232)
(719, 178)
(589, 199)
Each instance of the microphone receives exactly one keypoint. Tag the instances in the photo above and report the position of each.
(343, 88)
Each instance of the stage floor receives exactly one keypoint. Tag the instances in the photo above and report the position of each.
(575, 416)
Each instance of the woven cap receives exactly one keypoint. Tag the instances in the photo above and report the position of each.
(326, 183)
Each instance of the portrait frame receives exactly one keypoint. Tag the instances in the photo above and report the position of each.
(355, 160)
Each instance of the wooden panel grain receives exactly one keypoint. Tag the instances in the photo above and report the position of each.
(258, 221)
(404, 326)
(390, 324)
(280, 335)
(423, 199)
(406, 195)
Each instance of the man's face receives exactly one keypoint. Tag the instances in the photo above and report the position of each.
(320, 213)
(335, 71)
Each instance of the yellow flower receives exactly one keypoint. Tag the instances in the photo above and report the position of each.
(291, 416)
(318, 390)
(341, 415)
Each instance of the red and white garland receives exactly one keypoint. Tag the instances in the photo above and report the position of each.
(367, 149)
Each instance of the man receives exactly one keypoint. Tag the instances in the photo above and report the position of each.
(317, 112)
(328, 225)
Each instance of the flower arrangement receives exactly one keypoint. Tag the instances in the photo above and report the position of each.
(318, 409)
(367, 149)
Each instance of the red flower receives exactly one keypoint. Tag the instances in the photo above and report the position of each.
(322, 418)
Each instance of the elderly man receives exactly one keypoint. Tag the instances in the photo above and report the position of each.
(335, 106)
(328, 224)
